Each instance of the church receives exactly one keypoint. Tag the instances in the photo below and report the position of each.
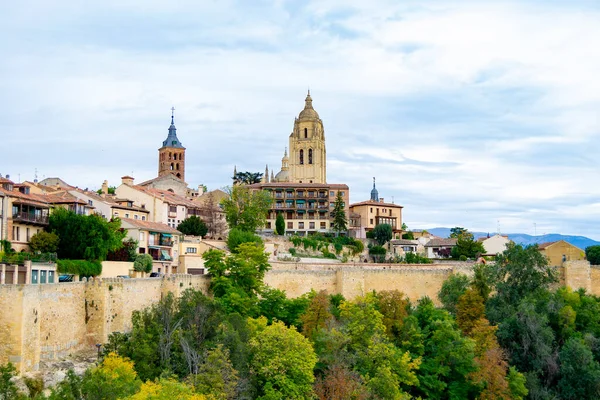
(300, 189)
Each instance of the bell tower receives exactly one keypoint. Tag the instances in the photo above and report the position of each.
(307, 147)
(171, 156)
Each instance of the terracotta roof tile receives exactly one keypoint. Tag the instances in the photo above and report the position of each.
(150, 226)
(438, 242)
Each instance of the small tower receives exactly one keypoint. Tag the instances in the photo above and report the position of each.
(171, 156)
(374, 192)
(266, 176)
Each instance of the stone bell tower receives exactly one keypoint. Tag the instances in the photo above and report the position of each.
(171, 156)
(307, 147)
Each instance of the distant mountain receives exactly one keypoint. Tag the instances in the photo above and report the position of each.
(580, 241)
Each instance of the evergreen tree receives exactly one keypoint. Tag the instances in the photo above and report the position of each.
(340, 222)
(193, 226)
(280, 225)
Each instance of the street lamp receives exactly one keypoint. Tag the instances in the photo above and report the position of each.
(98, 346)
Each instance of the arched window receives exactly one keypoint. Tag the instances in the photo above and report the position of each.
(305, 133)
(301, 157)
(177, 166)
(310, 156)
(181, 156)
(172, 166)
(169, 155)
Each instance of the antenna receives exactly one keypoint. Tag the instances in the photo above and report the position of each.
(392, 199)
(498, 226)
(35, 179)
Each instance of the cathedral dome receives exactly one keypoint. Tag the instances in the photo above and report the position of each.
(282, 176)
(309, 112)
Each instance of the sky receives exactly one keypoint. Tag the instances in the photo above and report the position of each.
(483, 114)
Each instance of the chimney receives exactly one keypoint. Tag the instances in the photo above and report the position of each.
(200, 190)
(127, 180)
(381, 200)
(105, 187)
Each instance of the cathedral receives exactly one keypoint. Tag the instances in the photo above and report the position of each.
(300, 189)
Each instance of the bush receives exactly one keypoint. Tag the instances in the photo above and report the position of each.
(378, 253)
(79, 267)
(462, 257)
(193, 226)
(370, 235)
(237, 237)
(143, 263)
(293, 251)
(414, 258)
(44, 242)
(280, 225)
(296, 240)
(328, 254)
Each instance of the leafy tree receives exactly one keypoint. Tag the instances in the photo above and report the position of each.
(340, 222)
(44, 242)
(280, 225)
(193, 226)
(126, 253)
(580, 373)
(341, 383)
(393, 306)
(408, 236)
(282, 362)
(466, 245)
(247, 178)
(115, 378)
(237, 237)
(457, 232)
(317, 315)
(246, 209)
(143, 263)
(167, 389)
(87, 237)
(452, 288)
(378, 253)
(212, 215)
(592, 254)
(67, 389)
(382, 233)
(520, 271)
(216, 376)
(8, 389)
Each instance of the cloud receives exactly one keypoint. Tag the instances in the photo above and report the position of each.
(466, 114)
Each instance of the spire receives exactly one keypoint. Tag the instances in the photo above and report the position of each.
(172, 140)
(374, 192)
(266, 177)
(272, 176)
(308, 101)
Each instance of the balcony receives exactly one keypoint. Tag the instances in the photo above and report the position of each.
(30, 217)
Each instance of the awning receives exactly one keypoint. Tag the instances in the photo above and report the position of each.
(165, 254)
(300, 201)
(300, 211)
(166, 234)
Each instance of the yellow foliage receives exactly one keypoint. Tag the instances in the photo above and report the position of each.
(166, 389)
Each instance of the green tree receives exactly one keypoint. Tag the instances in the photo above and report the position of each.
(126, 253)
(237, 236)
(143, 263)
(216, 376)
(280, 225)
(580, 373)
(247, 178)
(340, 222)
(592, 253)
(88, 237)
(282, 362)
(44, 242)
(452, 288)
(246, 209)
(67, 389)
(115, 378)
(8, 389)
(193, 225)
(317, 316)
(382, 233)
(466, 245)
(457, 232)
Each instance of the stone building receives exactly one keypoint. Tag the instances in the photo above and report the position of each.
(366, 215)
(300, 190)
(560, 251)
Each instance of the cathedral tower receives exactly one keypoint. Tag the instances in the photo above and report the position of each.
(307, 147)
(171, 156)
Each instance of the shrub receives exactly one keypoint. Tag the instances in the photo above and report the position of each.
(280, 225)
(44, 242)
(462, 257)
(296, 240)
(338, 247)
(414, 258)
(79, 267)
(193, 226)
(293, 251)
(369, 235)
(328, 254)
(378, 253)
(237, 237)
(143, 263)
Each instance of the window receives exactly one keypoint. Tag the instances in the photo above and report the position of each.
(371, 221)
(323, 225)
(142, 236)
(311, 225)
(143, 217)
(290, 225)
(135, 216)
(300, 225)
(191, 250)
(126, 215)
(27, 234)
(16, 233)
(371, 209)
(269, 225)
(301, 157)
(305, 133)
(332, 194)
(90, 203)
(310, 156)
(116, 214)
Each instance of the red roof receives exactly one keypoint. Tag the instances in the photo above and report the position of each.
(149, 226)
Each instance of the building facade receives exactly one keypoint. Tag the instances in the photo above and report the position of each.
(300, 190)
(560, 251)
(366, 215)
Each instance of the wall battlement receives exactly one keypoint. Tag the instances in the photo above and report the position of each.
(52, 321)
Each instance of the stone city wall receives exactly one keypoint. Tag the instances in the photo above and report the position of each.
(51, 321)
